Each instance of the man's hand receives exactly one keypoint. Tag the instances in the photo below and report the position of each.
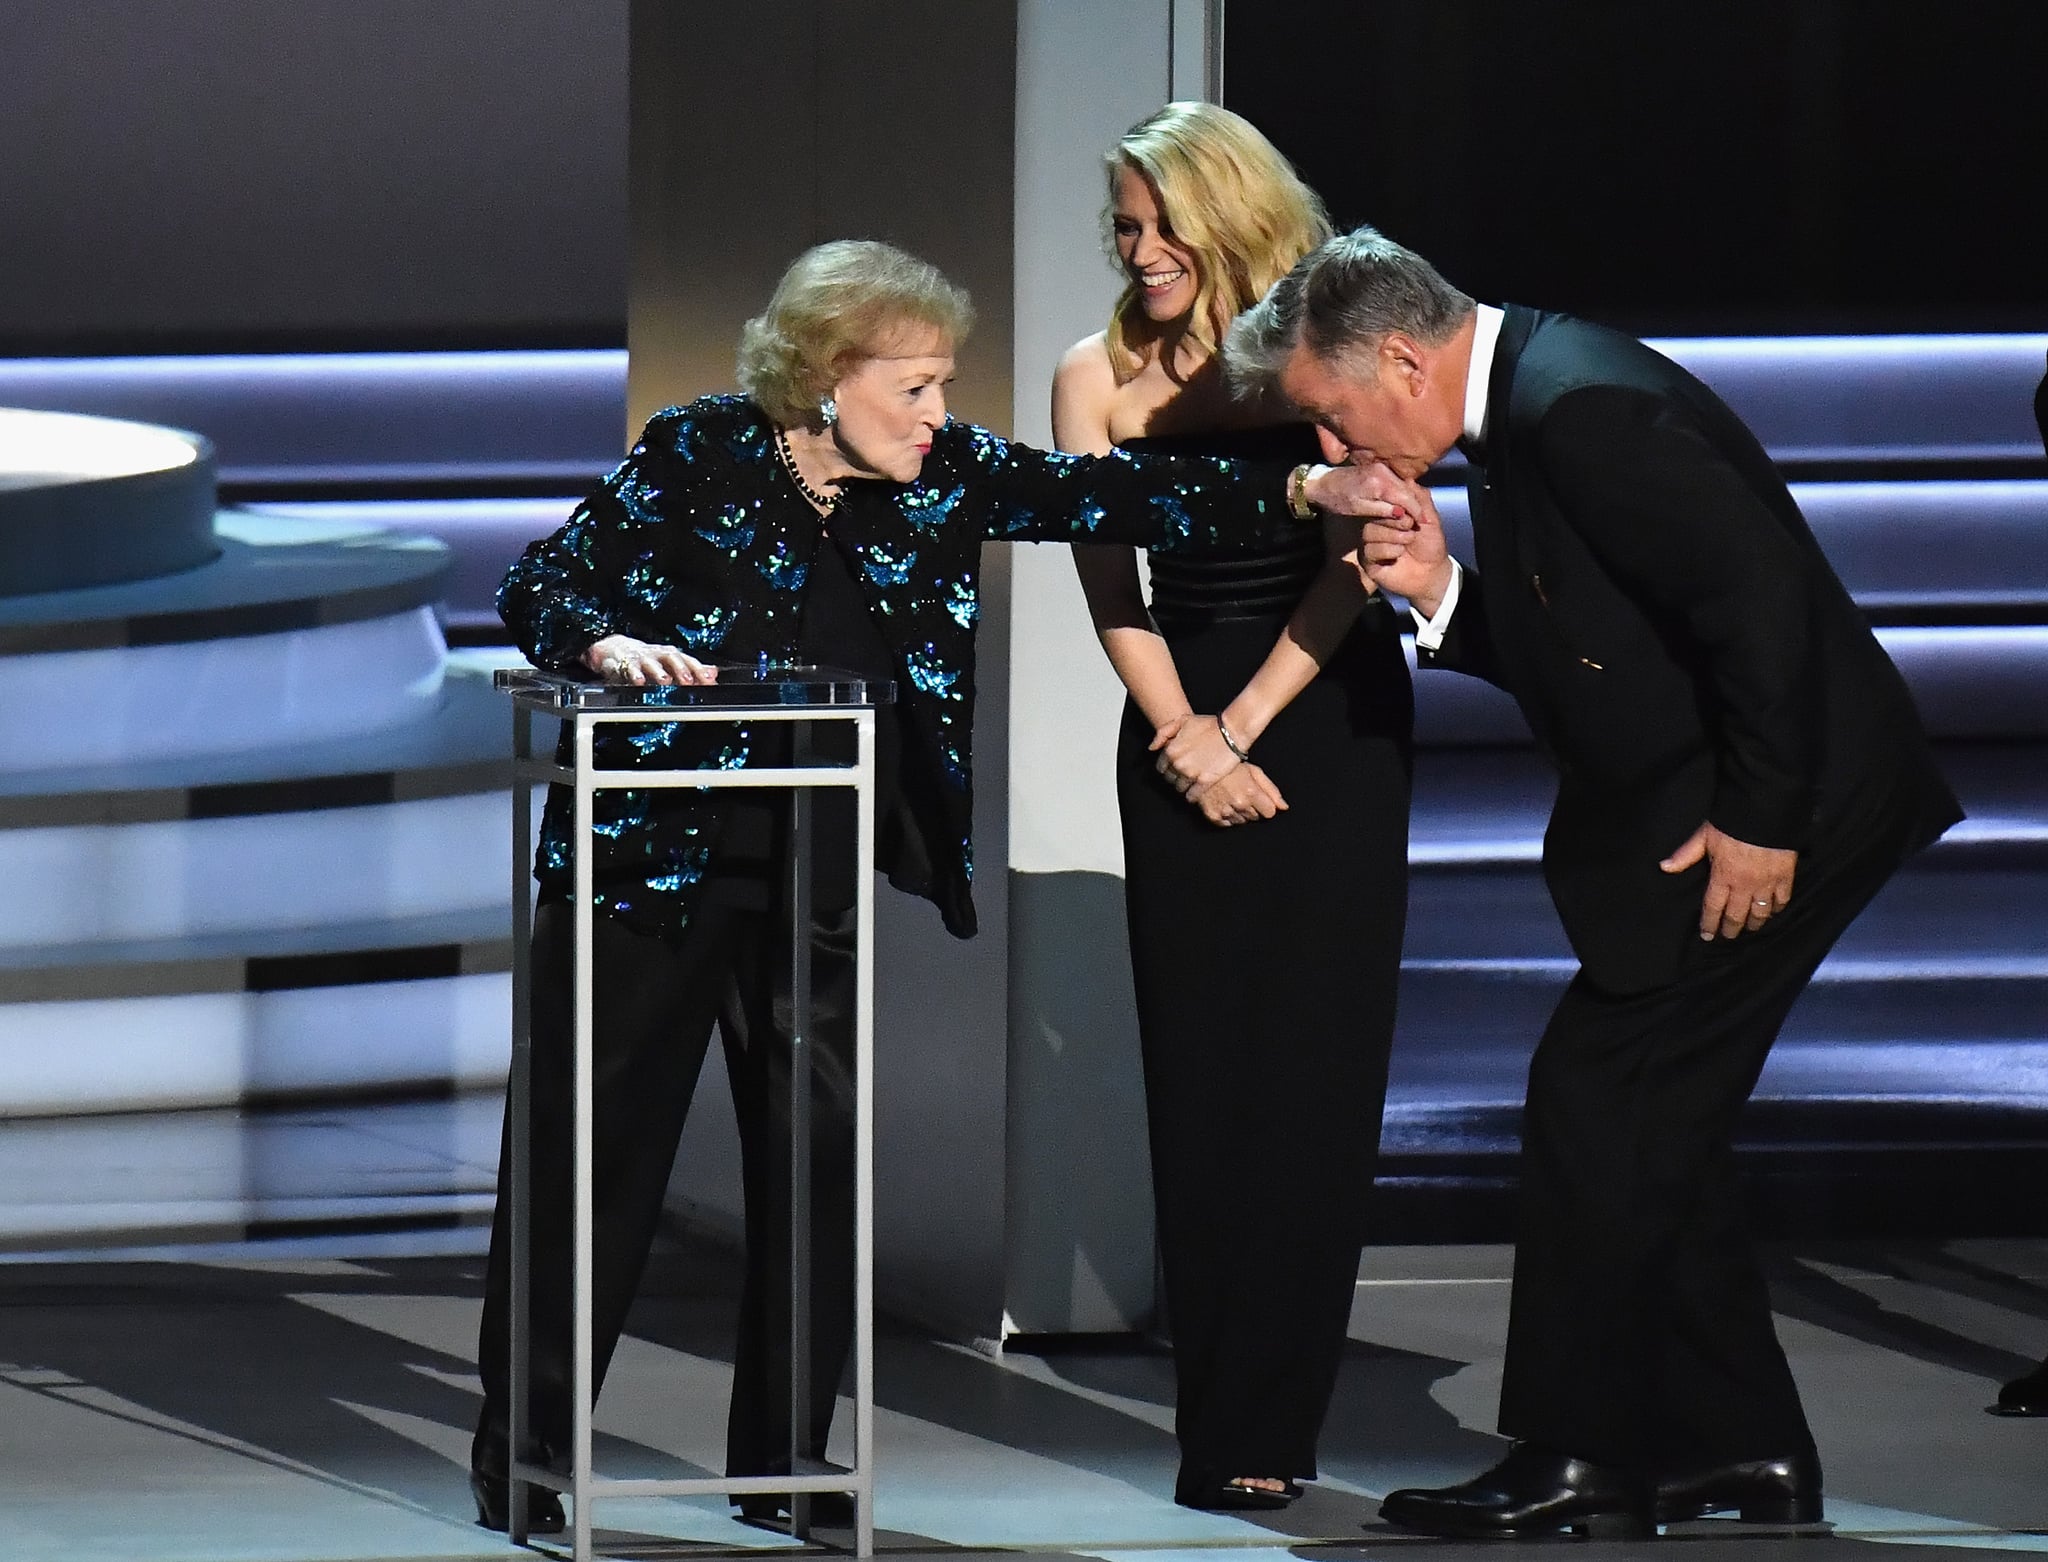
(1362, 492)
(1405, 553)
(1746, 885)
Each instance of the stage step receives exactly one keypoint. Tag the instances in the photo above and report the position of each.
(411, 821)
(1992, 566)
(375, 1175)
(255, 824)
(281, 923)
(483, 536)
(296, 632)
(1932, 1011)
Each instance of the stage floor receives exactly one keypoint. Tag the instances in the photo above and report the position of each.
(278, 1411)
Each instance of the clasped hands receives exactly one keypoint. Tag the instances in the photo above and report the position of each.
(1201, 767)
(1193, 757)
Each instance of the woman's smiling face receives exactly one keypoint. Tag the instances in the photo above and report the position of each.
(1163, 271)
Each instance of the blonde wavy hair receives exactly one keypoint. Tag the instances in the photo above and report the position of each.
(1229, 198)
(838, 303)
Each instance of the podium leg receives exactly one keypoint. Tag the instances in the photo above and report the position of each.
(519, 1118)
(800, 1170)
(583, 1388)
(864, 1138)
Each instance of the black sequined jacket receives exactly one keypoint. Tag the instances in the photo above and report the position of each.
(700, 540)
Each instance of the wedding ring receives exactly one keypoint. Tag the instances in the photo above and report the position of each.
(1764, 903)
(618, 667)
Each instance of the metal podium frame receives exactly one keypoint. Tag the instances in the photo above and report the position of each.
(768, 694)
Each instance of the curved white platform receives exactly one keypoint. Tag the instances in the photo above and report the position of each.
(254, 828)
(186, 1050)
(187, 878)
(138, 704)
(52, 448)
(86, 501)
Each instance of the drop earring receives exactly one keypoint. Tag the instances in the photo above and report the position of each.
(828, 412)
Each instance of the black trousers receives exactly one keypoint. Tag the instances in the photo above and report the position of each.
(1640, 1329)
(656, 1002)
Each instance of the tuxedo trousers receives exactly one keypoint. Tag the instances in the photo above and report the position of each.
(1640, 1329)
(656, 1002)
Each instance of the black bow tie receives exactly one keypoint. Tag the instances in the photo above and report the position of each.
(1472, 450)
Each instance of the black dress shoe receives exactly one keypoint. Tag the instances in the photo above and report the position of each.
(1757, 1491)
(2027, 1396)
(829, 1509)
(1531, 1492)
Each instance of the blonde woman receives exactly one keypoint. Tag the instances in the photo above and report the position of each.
(1263, 771)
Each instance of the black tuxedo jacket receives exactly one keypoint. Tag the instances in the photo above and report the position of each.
(1650, 595)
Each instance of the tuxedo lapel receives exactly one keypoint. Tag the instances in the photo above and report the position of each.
(1488, 483)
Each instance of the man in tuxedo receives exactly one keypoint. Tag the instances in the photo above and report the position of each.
(1740, 769)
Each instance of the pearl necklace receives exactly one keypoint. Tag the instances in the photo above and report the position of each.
(824, 504)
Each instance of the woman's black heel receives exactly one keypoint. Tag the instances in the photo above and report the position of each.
(1233, 1497)
(493, 1495)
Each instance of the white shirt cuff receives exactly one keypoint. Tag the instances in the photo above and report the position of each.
(1429, 632)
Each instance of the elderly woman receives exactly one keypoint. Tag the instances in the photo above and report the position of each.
(831, 514)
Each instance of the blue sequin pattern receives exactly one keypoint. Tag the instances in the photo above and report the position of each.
(699, 540)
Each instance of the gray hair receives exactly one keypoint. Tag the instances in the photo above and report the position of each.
(1341, 299)
(838, 303)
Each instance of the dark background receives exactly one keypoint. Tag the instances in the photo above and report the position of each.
(1709, 167)
(311, 174)
(421, 173)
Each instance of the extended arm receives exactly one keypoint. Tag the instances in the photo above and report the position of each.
(1013, 493)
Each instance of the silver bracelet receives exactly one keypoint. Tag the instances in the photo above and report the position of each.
(1230, 742)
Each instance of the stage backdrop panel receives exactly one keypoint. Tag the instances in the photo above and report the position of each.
(250, 174)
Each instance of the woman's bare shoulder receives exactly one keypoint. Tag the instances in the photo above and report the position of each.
(1086, 367)
(1083, 390)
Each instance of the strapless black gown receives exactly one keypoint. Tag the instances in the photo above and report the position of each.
(1265, 958)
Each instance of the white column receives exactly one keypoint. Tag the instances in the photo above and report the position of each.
(1079, 1240)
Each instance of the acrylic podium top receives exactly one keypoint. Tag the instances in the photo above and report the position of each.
(776, 686)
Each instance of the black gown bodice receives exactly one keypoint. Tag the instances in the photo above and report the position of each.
(1260, 582)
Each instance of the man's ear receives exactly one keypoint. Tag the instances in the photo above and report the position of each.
(1405, 359)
